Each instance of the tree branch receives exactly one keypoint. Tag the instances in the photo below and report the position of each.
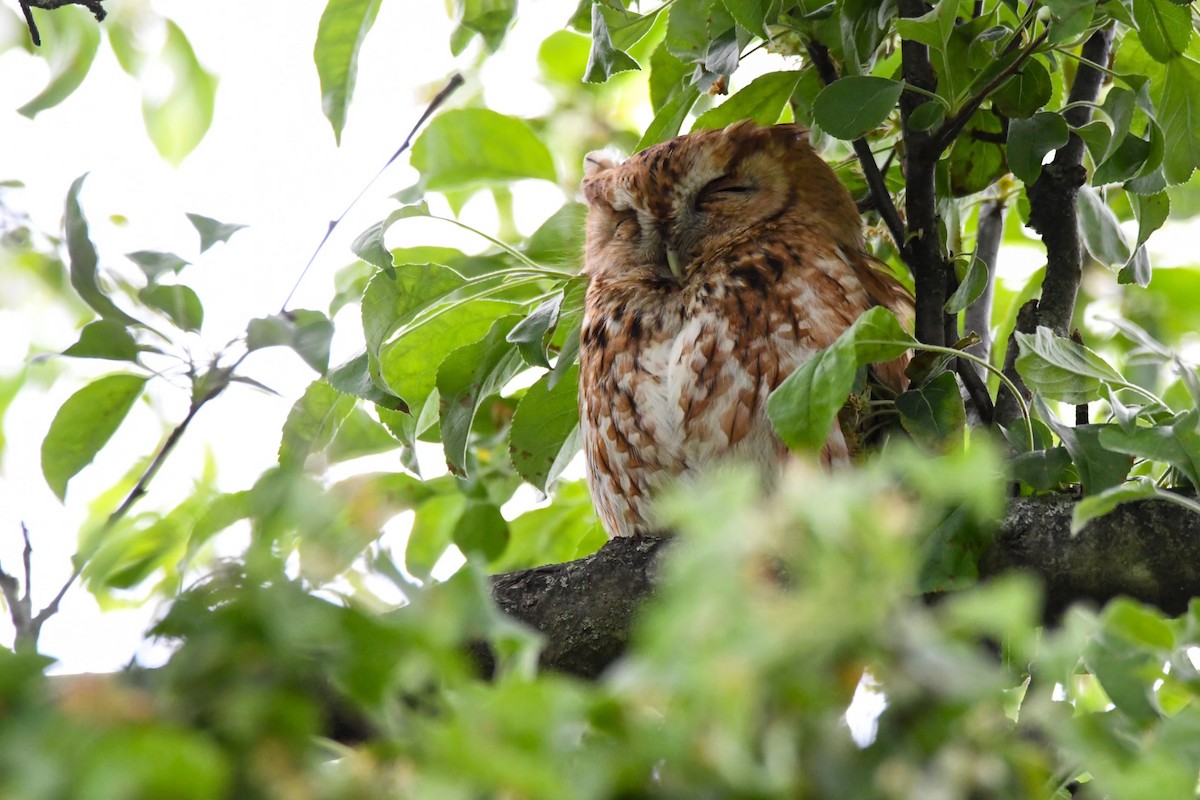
(922, 251)
(27, 7)
(880, 196)
(977, 318)
(1053, 213)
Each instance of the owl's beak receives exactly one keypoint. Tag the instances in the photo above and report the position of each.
(673, 262)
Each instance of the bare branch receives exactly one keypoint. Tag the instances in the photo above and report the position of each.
(977, 317)
(27, 7)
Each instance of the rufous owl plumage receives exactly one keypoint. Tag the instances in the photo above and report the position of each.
(718, 262)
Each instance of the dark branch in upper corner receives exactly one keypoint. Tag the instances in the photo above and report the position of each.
(27, 7)
(881, 199)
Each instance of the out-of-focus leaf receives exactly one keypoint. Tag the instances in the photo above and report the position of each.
(471, 147)
(432, 532)
(343, 28)
(564, 531)
(306, 332)
(481, 531)
(85, 261)
(177, 118)
(70, 39)
(212, 231)
(154, 264)
(180, 303)
(850, 107)
(1097, 505)
(489, 19)
(545, 429)
(84, 424)
(105, 338)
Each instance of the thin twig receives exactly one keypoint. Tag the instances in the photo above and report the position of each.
(944, 136)
(27, 7)
(455, 81)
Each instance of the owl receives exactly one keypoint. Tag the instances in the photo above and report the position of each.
(718, 262)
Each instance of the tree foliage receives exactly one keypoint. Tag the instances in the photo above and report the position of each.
(961, 128)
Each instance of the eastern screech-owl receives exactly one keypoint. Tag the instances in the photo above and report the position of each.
(718, 262)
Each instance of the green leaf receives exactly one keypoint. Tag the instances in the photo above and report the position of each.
(1098, 466)
(670, 117)
(340, 35)
(934, 414)
(927, 116)
(181, 305)
(668, 78)
(1060, 369)
(1097, 505)
(85, 261)
(1179, 115)
(933, 28)
(70, 39)
(763, 101)
(753, 15)
(312, 423)
(977, 162)
(560, 238)
(306, 332)
(805, 405)
(1177, 443)
(970, 288)
(481, 531)
(1137, 269)
(212, 231)
(605, 60)
(879, 336)
(155, 264)
(563, 531)
(467, 377)
(489, 19)
(1164, 28)
(84, 424)
(1151, 211)
(688, 30)
(105, 338)
(177, 119)
(544, 436)
(530, 334)
(1127, 675)
(1042, 470)
(850, 107)
(432, 532)
(354, 378)
(1101, 230)
(1029, 140)
(1025, 92)
(472, 147)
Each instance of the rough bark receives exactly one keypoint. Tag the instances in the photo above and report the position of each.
(1147, 550)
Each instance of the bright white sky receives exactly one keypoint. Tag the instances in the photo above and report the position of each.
(270, 162)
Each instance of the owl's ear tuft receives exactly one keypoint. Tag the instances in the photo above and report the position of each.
(596, 162)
